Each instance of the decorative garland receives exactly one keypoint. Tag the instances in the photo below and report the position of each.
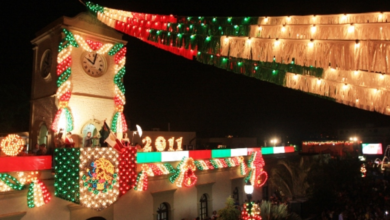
(257, 176)
(11, 181)
(184, 174)
(37, 194)
(64, 72)
(318, 70)
(142, 182)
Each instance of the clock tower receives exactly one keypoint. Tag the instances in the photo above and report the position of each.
(77, 80)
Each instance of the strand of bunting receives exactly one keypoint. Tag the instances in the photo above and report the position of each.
(37, 194)
(63, 119)
(297, 52)
(206, 38)
(184, 173)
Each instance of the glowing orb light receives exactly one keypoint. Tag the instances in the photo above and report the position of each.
(12, 145)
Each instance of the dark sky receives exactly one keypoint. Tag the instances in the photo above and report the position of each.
(163, 88)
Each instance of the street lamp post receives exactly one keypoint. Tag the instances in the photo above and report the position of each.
(248, 188)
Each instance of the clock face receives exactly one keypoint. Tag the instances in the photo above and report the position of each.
(93, 64)
(46, 62)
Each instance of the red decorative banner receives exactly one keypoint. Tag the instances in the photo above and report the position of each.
(27, 163)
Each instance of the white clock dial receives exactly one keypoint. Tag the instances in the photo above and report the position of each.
(93, 64)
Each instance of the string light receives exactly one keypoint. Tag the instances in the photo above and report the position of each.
(313, 28)
(66, 178)
(351, 28)
(37, 195)
(148, 144)
(98, 177)
(160, 143)
(12, 145)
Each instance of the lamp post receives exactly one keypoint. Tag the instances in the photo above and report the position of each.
(248, 188)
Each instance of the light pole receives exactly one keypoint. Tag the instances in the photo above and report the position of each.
(248, 188)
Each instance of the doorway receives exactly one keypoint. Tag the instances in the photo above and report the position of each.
(42, 136)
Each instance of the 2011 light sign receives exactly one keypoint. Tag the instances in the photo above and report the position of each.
(161, 143)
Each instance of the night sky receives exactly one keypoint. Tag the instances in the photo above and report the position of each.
(163, 88)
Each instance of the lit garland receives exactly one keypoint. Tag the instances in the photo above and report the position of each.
(12, 145)
(119, 123)
(64, 65)
(185, 173)
(115, 49)
(257, 176)
(90, 46)
(251, 211)
(242, 45)
(243, 167)
(63, 119)
(98, 177)
(11, 181)
(37, 195)
(66, 179)
(22, 178)
(142, 182)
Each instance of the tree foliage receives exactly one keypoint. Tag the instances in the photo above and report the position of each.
(229, 212)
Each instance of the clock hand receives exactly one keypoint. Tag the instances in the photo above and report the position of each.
(89, 61)
(94, 60)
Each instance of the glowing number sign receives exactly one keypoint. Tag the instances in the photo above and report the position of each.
(12, 145)
(179, 143)
(170, 141)
(160, 143)
(148, 142)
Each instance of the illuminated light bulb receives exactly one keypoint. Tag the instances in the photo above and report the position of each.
(260, 28)
(356, 72)
(277, 42)
(380, 16)
(266, 19)
(283, 28)
(313, 29)
(382, 76)
(249, 40)
(288, 18)
(357, 44)
(351, 28)
(311, 43)
(345, 16)
(345, 86)
(319, 81)
(314, 17)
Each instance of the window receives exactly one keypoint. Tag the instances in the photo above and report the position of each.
(163, 211)
(236, 195)
(204, 212)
